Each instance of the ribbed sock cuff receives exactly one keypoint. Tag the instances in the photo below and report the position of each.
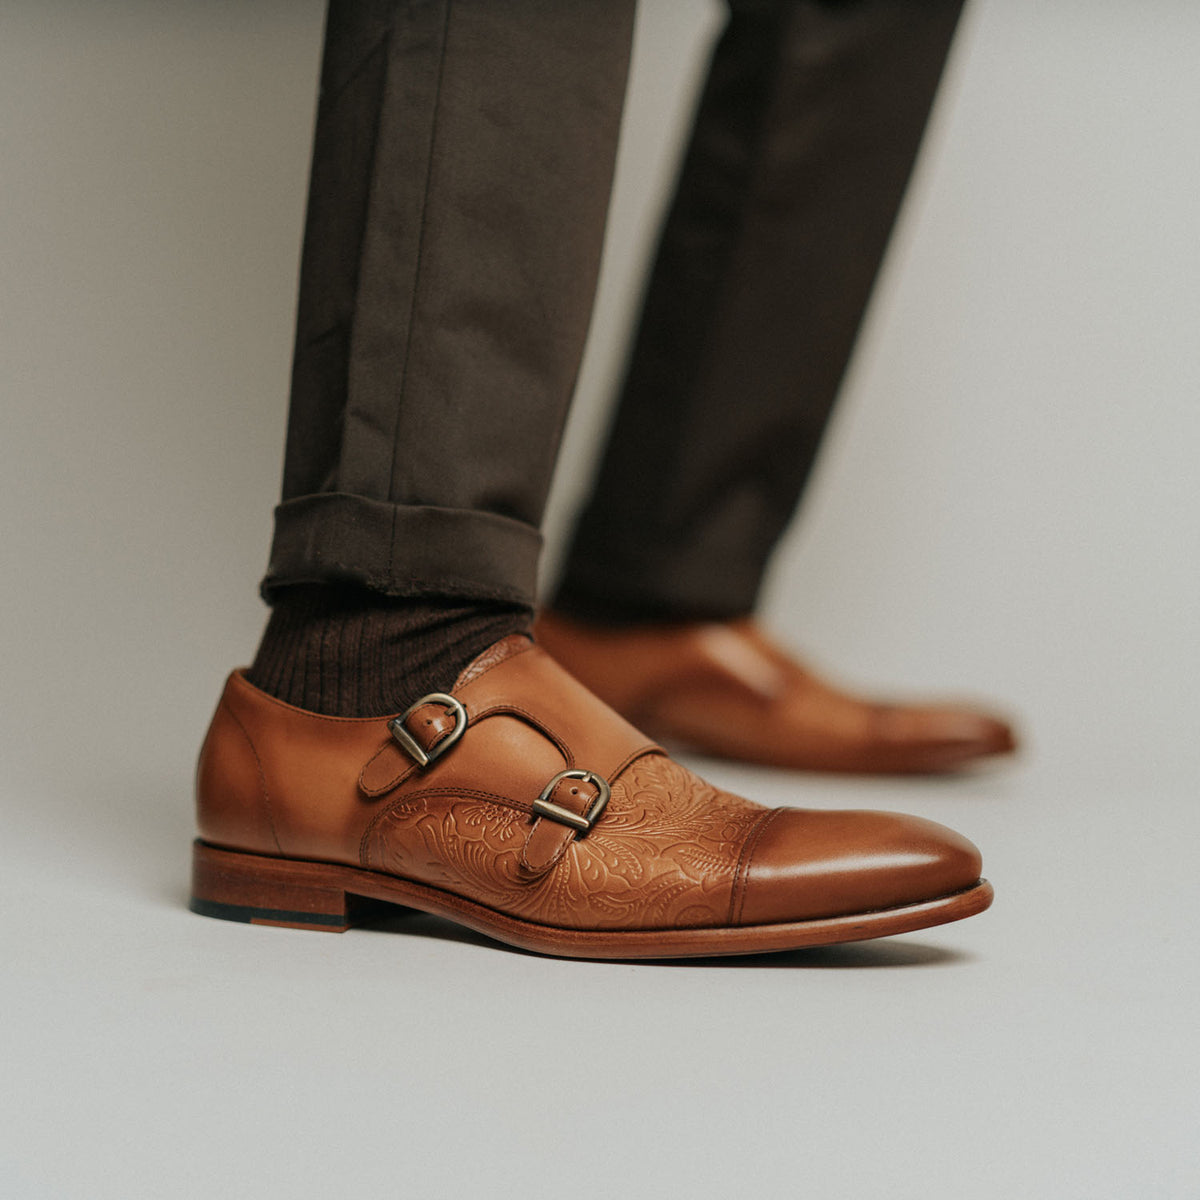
(349, 652)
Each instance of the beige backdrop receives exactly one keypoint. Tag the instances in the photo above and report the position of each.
(1008, 506)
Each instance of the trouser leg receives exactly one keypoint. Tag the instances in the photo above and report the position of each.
(460, 178)
(807, 129)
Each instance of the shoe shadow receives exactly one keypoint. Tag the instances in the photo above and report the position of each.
(880, 952)
(891, 952)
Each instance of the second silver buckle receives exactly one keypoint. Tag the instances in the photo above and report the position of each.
(543, 806)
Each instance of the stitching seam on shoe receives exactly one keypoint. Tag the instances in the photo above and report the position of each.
(640, 752)
(262, 778)
(532, 719)
(737, 897)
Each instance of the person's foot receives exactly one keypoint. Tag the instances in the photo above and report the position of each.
(523, 807)
(725, 689)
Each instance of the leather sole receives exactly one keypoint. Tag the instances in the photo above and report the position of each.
(299, 894)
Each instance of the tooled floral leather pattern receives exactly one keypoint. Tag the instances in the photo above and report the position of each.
(663, 856)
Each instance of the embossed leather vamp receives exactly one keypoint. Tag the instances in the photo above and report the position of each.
(665, 854)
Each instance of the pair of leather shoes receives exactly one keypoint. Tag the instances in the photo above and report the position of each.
(727, 690)
(522, 806)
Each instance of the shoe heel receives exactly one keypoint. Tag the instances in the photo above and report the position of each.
(270, 891)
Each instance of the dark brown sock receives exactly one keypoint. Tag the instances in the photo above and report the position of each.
(348, 652)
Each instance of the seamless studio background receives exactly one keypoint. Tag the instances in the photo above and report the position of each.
(1007, 507)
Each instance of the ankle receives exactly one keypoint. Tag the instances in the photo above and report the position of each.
(345, 651)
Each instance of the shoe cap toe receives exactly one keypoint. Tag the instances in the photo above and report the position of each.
(807, 865)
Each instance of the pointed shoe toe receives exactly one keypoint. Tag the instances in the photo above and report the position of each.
(931, 740)
(809, 865)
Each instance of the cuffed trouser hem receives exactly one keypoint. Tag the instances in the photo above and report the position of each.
(402, 550)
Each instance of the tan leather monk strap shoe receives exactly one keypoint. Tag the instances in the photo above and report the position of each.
(521, 806)
(727, 690)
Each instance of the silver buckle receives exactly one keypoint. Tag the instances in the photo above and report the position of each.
(543, 806)
(409, 744)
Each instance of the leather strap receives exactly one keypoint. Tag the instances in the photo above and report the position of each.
(531, 687)
(429, 725)
(548, 838)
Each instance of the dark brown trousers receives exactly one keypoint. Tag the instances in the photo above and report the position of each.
(460, 178)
